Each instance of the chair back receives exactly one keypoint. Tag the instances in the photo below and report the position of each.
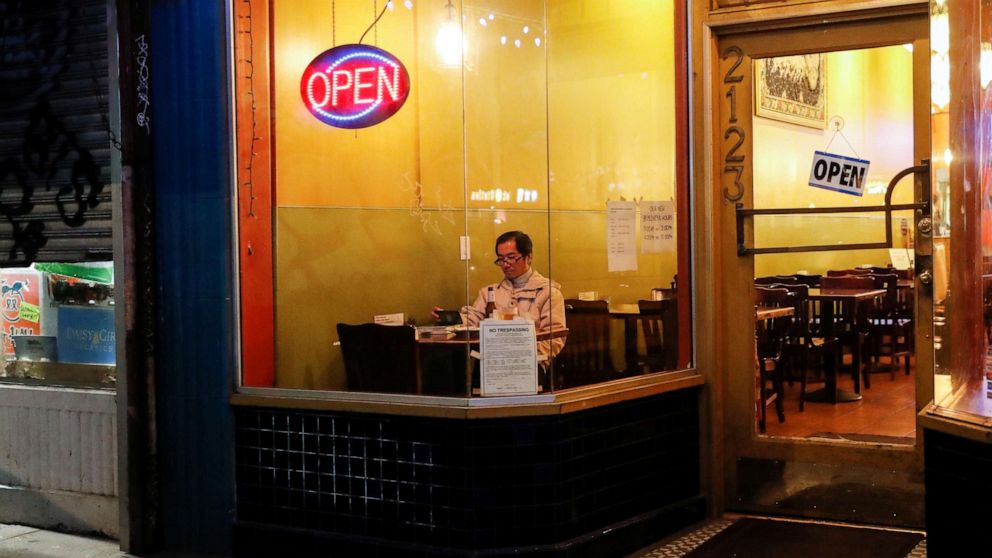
(842, 272)
(800, 302)
(666, 294)
(771, 279)
(379, 358)
(659, 324)
(771, 334)
(847, 282)
(808, 280)
(586, 357)
(890, 302)
(904, 274)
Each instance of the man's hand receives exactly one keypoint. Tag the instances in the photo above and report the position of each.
(435, 312)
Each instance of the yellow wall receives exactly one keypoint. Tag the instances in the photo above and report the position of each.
(872, 91)
(368, 222)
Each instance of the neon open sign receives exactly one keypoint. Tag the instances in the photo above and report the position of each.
(354, 86)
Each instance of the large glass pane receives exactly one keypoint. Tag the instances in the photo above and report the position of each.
(59, 171)
(512, 123)
(58, 324)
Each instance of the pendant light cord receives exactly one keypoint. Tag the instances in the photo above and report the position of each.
(373, 24)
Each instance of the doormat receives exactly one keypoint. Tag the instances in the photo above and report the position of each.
(762, 538)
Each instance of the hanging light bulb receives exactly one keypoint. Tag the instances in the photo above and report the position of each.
(449, 41)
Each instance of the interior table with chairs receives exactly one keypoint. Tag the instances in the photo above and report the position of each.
(602, 341)
(843, 326)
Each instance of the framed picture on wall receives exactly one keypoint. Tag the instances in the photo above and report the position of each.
(792, 89)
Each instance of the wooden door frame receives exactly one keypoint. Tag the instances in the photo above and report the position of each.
(723, 280)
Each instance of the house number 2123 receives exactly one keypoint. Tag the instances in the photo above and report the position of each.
(733, 162)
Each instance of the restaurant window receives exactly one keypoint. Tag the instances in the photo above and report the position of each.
(374, 182)
(57, 160)
(961, 69)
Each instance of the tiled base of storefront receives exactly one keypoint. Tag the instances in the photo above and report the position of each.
(598, 482)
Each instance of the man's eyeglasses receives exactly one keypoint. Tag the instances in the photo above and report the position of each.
(511, 259)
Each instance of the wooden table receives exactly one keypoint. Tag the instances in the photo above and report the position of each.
(853, 302)
(629, 313)
(469, 339)
(762, 314)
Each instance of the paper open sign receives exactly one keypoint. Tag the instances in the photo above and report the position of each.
(838, 173)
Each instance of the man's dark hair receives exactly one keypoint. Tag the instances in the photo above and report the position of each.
(524, 244)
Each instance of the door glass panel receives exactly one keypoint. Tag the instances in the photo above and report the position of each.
(962, 251)
(841, 366)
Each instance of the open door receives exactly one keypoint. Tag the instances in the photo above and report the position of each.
(843, 105)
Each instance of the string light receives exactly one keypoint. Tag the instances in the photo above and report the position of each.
(250, 78)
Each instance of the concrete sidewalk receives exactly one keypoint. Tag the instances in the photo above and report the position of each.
(29, 542)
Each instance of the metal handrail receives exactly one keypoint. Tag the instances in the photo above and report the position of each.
(922, 172)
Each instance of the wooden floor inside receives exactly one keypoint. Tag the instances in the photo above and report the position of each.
(886, 413)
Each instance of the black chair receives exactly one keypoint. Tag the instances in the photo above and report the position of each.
(891, 331)
(851, 332)
(586, 357)
(846, 272)
(771, 336)
(773, 279)
(810, 280)
(659, 324)
(810, 352)
(380, 358)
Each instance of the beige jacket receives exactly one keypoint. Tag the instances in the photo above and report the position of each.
(540, 300)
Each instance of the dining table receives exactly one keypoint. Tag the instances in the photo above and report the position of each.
(461, 340)
(847, 309)
(629, 313)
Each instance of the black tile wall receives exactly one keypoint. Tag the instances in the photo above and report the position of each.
(467, 484)
(958, 491)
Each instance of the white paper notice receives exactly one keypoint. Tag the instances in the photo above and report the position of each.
(657, 227)
(509, 357)
(621, 235)
(899, 257)
(397, 319)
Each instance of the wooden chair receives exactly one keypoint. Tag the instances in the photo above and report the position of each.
(847, 282)
(772, 279)
(889, 331)
(903, 274)
(666, 294)
(812, 280)
(586, 357)
(659, 324)
(850, 334)
(843, 272)
(805, 348)
(770, 338)
(380, 358)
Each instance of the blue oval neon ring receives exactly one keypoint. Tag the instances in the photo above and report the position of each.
(354, 86)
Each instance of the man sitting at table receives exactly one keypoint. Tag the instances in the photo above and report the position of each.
(534, 296)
